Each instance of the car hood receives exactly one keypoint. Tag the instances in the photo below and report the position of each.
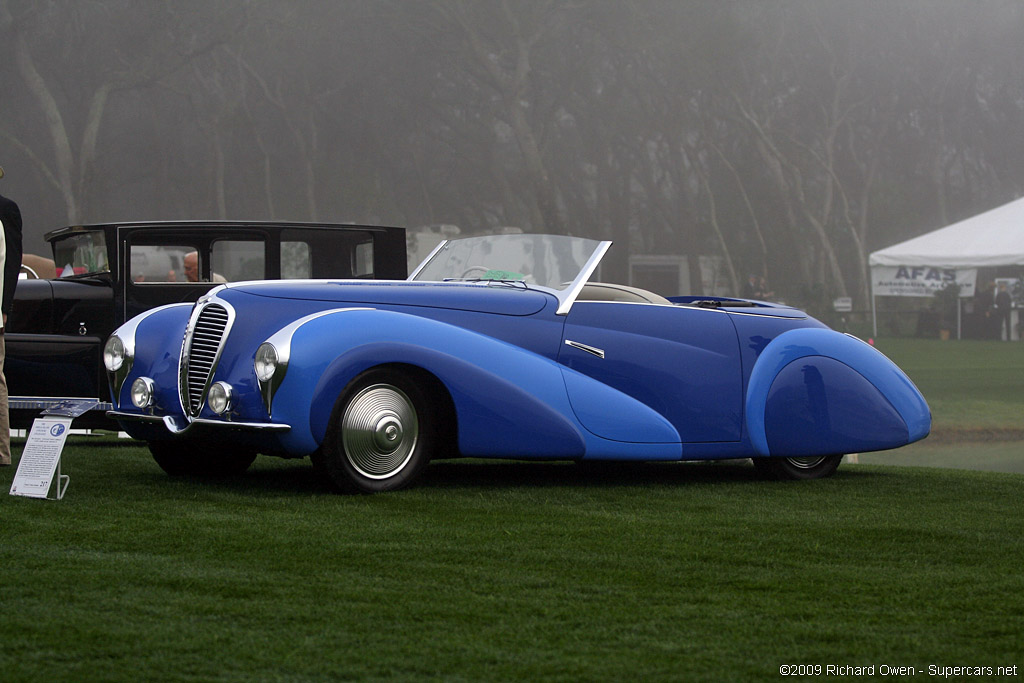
(479, 297)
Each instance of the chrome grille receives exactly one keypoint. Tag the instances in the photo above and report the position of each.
(201, 354)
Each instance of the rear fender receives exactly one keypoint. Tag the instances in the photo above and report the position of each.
(820, 392)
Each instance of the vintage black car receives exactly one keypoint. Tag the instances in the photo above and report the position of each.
(107, 274)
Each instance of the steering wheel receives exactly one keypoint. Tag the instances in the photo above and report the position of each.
(483, 270)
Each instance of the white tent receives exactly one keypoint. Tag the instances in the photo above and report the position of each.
(993, 238)
(921, 265)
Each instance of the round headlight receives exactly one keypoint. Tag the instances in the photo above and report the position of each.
(266, 361)
(142, 392)
(221, 397)
(113, 354)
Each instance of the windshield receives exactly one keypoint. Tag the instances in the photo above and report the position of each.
(81, 253)
(553, 261)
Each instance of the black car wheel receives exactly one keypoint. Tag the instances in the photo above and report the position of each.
(812, 467)
(382, 433)
(183, 460)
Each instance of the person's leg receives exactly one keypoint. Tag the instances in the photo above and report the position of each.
(5, 420)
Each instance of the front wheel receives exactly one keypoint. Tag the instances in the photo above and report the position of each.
(382, 433)
(178, 459)
(813, 467)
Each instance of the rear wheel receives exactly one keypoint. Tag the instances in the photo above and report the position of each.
(382, 434)
(812, 467)
(184, 460)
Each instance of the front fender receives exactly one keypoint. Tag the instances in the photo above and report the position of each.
(819, 392)
(496, 387)
(509, 402)
(152, 341)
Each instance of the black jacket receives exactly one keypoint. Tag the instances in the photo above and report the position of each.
(11, 217)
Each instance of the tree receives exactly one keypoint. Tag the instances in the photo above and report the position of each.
(73, 97)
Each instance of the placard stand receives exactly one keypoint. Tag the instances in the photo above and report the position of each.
(39, 466)
(62, 483)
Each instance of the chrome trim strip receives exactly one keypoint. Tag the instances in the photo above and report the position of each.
(768, 315)
(566, 297)
(172, 423)
(282, 343)
(645, 303)
(593, 350)
(727, 311)
(439, 247)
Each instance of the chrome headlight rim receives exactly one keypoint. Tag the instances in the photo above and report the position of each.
(221, 397)
(142, 392)
(266, 362)
(119, 354)
(114, 353)
(269, 376)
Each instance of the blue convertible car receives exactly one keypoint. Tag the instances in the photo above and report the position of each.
(498, 347)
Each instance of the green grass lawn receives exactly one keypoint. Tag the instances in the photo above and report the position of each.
(969, 385)
(976, 393)
(991, 456)
(492, 571)
(497, 571)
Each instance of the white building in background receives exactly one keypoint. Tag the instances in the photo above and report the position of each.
(669, 275)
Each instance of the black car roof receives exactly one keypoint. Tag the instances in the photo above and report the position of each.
(60, 232)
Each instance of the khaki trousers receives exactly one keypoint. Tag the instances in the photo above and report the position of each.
(5, 419)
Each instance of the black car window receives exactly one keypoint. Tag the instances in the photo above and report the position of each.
(318, 253)
(160, 263)
(234, 260)
(296, 263)
(81, 253)
(362, 260)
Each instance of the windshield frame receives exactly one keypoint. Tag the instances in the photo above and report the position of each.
(566, 296)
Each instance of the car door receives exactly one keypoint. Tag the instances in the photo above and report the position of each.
(55, 332)
(682, 362)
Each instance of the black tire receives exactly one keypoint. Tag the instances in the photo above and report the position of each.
(383, 432)
(319, 466)
(788, 469)
(183, 460)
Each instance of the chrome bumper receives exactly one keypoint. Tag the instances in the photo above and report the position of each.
(178, 425)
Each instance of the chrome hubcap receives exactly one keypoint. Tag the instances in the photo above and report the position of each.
(379, 431)
(387, 435)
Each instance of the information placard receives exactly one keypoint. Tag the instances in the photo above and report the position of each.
(41, 458)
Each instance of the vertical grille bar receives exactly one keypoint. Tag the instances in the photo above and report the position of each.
(201, 354)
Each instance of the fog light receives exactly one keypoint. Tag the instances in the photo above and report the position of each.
(221, 397)
(266, 361)
(142, 392)
(113, 354)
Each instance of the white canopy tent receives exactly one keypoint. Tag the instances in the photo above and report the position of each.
(993, 238)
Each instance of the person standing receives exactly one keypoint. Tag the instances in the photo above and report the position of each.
(10, 265)
(1003, 304)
